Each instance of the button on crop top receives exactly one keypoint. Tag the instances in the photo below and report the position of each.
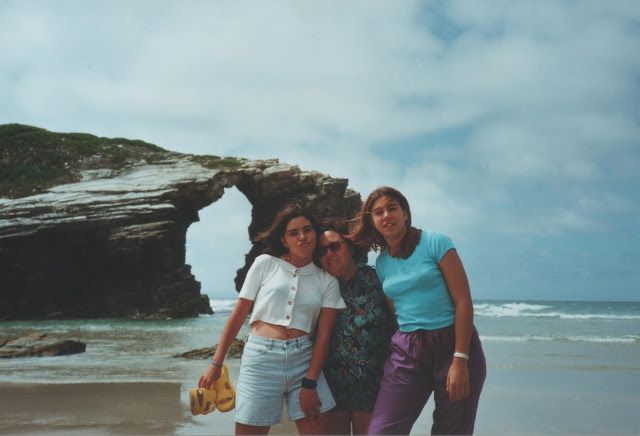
(287, 295)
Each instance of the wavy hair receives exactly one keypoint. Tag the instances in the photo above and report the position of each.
(365, 234)
(271, 238)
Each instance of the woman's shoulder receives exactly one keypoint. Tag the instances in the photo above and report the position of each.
(435, 243)
(434, 236)
(324, 274)
(368, 275)
(326, 279)
(367, 270)
(265, 260)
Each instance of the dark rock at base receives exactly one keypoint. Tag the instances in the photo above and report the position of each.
(39, 345)
(235, 351)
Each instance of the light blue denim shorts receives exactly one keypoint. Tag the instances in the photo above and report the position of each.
(271, 372)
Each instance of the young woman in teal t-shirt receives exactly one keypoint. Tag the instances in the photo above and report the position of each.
(436, 348)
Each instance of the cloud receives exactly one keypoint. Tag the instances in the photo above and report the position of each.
(516, 120)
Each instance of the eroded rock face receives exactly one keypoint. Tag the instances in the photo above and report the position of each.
(113, 244)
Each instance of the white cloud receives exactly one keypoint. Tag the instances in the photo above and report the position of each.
(539, 99)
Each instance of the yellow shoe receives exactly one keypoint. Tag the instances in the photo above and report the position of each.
(226, 399)
(202, 401)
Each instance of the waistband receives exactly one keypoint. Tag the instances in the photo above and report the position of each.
(271, 343)
(423, 332)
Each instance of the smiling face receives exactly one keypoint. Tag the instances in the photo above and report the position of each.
(389, 219)
(300, 239)
(338, 263)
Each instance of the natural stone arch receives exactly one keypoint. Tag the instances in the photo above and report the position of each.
(113, 244)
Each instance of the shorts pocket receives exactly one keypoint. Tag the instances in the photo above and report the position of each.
(253, 350)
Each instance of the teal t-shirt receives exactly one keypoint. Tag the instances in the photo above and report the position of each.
(416, 284)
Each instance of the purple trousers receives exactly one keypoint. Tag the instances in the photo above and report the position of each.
(418, 365)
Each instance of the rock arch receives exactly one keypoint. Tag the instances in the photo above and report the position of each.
(113, 244)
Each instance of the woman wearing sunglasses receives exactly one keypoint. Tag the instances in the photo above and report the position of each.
(436, 348)
(360, 341)
(290, 300)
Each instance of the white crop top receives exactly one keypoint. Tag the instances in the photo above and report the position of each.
(287, 295)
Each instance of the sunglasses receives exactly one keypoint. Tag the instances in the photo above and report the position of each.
(333, 246)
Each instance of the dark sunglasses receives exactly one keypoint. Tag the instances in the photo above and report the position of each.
(333, 246)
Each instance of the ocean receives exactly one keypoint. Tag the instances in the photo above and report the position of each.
(553, 367)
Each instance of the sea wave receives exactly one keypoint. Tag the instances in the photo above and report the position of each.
(530, 310)
(508, 309)
(628, 339)
(222, 305)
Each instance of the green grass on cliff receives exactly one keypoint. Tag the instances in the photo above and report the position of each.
(33, 160)
(215, 162)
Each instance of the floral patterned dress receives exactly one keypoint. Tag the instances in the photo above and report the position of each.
(360, 342)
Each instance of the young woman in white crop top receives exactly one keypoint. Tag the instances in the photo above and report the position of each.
(292, 300)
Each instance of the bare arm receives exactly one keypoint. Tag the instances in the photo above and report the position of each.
(456, 279)
(326, 323)
(458, 285)
(309, 401)
(229, 333)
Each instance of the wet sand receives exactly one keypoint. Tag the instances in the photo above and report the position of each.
(90, 408)
(108, 408)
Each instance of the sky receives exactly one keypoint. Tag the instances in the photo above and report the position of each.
(511, 126)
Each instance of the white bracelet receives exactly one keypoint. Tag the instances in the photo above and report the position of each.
(461, 355)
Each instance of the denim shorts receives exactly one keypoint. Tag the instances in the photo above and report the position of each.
(271, 372)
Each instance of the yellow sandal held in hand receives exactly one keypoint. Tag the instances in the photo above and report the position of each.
(202, 400)
(226, 399)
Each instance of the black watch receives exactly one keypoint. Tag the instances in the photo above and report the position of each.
(307, 383)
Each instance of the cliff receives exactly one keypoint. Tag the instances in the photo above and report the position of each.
(96, 227)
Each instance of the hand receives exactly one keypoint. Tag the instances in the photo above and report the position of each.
(310, 404)
(458, 380)
(209, 376)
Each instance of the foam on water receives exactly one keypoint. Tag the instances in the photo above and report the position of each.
(559, 338)
(222, 305)
(530, 310)
(508, 309)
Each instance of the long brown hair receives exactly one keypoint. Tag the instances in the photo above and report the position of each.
(365, 234)
(271, 238)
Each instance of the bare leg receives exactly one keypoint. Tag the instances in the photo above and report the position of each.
(360, 421)
(313, 426)
(245, 429)
(339, 422)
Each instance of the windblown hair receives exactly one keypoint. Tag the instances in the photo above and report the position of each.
(271, 238)
(365, 234)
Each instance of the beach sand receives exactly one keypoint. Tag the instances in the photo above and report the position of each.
(90, 408)
(515, 401)
(108, 408)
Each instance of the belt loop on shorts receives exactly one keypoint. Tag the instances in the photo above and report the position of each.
(270, 344)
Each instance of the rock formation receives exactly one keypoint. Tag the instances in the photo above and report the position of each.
(235, 351)
(39, 345)
(96, 227)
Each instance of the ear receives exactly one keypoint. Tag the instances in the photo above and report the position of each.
(406, 215)
(284, 243)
